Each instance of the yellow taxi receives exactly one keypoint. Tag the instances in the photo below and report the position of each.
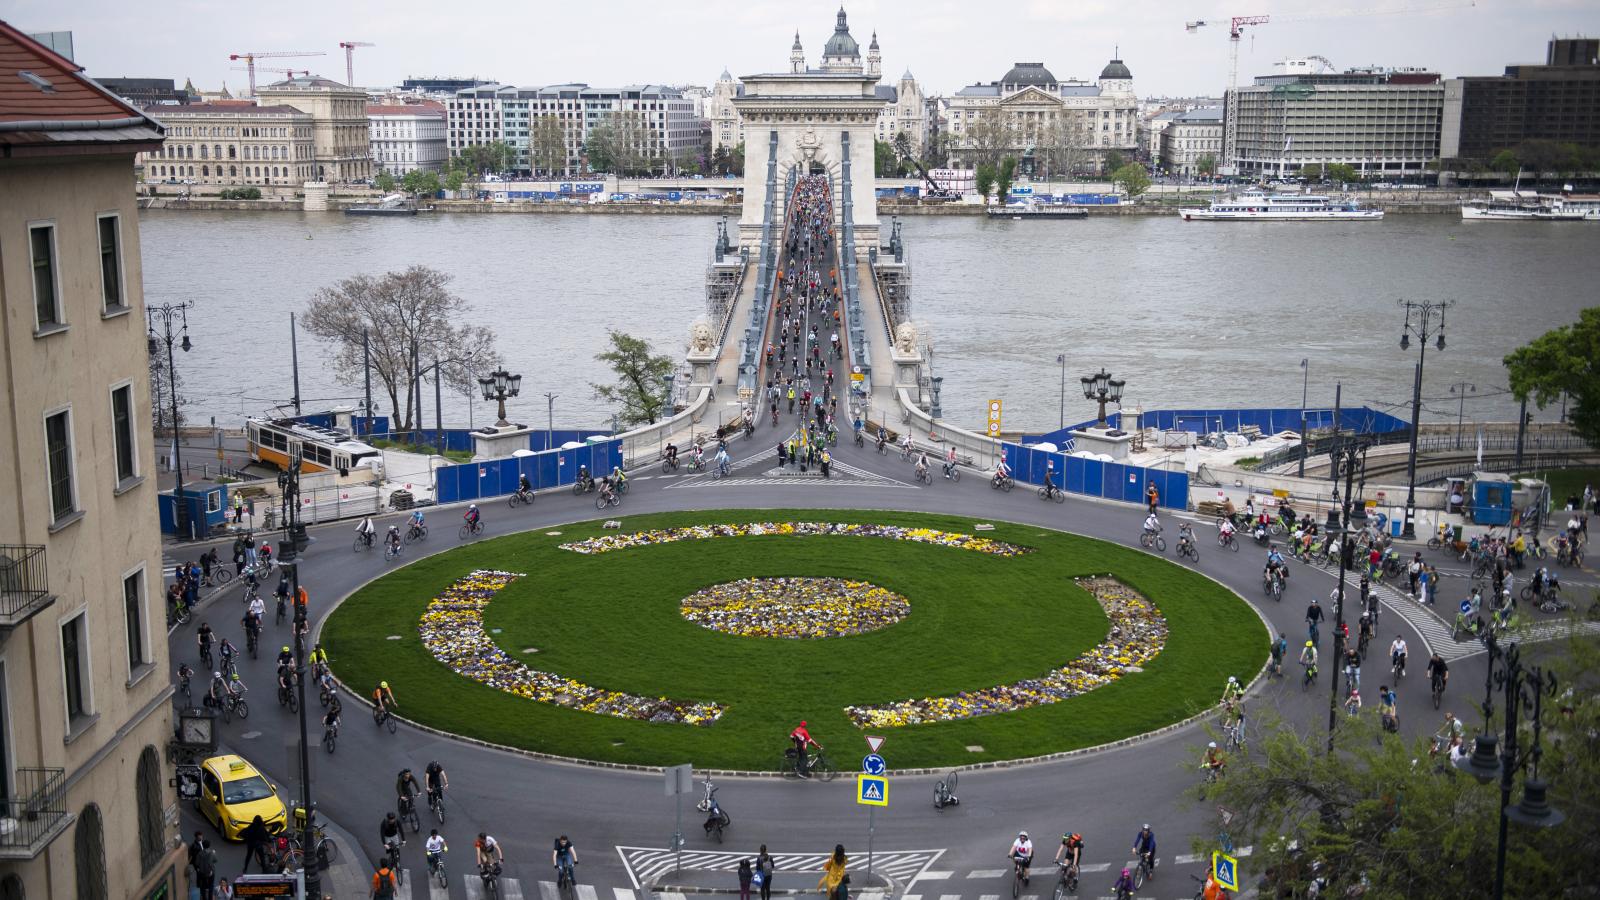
(233, 793)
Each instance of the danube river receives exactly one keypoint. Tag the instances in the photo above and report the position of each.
(1190, 314)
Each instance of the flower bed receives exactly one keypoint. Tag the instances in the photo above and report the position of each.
(1138, 632)
(452, 630)
(609, 542)
(794, 608)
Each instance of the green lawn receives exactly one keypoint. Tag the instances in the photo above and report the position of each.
(1565, 483)
(611, 620)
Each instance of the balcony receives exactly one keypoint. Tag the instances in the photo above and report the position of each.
(24, 589)
(34, 814)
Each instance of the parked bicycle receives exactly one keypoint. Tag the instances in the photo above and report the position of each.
(944, 792)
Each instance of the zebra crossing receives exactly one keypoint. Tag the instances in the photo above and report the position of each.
(1047, 876)
(843, 474)
(645, 865)
(505, 889)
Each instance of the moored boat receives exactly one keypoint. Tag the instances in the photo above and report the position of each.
(1259, 206)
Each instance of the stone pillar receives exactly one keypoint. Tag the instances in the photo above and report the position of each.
(491, 442)
(316, 196)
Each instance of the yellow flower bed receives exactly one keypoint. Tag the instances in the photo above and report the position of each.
(610, 542)
(795, 607)
(1138, 632)
(452, 630)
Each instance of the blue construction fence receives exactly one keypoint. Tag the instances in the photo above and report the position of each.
(1271, 420)
(498, 477)
(1094, 478)
(461, 438)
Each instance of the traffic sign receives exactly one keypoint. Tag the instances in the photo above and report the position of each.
(873, 764)
(874, 742)
(1225, 869)
(872, 790)
(1466, 607)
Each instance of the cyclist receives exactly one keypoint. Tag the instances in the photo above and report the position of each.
(285, 658)
(236, 687)
(1364, 628)
(364, 530)
(433, 847)
(587, 480)
(1225, 530)
(1275, 564)
(417, 520)
(1313, 618)
(1280, 649)
(905, 443)
(471, 515)
(433, 775)
(1232, 691)
(1002, 471)
(1213, 759)
(1308, 656)
(1070, 854)
(524, 486)
(1152, 525)
(1021, 854)
(722, 460)
(281, 593)
(489, 851)
(619, 478)
(672, 454)
(203, 637)
(406, 789)
(1185, 536)
(1050, 488)
(227, 652)
(883, 438)
(950, 460)
(383, 697)
(801, 738)
(318, 658)
(218, 691)
(330, 719)
(1387, 709)
(392, 539)
(1352, 668)
(564, 856)
(1124, 884)
(1144, 845)
(252, 623)
(1451, 730)
(1438, 672)
(390, 832)
(922, 465)
(1397, 655)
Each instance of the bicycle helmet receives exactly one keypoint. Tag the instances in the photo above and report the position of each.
(1310, 644)
(1232, 679)
(235, 676)
(1147, 826)
(1125, 872)
(384, 685)
(1212, 745)
(286, 650)
(1022, 834)
(216, 674)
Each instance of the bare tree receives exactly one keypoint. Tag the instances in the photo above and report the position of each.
(987, 138)
(396, 310)
(547, 145)
(161, 393)
(1061, 144)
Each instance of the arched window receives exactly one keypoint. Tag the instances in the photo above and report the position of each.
(232, 171)
(205, 171)
(204, 154)
(231, 152)
(11, 888)
(148, 795)
(89, 854)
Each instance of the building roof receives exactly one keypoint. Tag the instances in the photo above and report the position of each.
(886, 92)
(409, 109)
(841, 44)
(227, 108)
(46, 100)
(1205, 115)
(1029, 73)
(1115, 69)
(308, 81)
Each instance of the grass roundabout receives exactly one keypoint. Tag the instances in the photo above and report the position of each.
(576, 641)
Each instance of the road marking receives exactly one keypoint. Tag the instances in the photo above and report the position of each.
(403, 890)
(510, 889)
(934, 876)
(587, 892)
(1186, 859)
(949, 897)
(669, 895)
(1094, 867)
(547, 891)
(988, 897)
(435, 892)
(623, 893)
(986, 873)
(474, 886)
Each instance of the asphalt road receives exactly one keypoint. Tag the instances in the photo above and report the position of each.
(1104, 795)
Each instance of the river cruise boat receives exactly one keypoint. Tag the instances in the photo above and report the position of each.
(391, 205)
(1036, 211)
(1530, 206)
(1256, 206)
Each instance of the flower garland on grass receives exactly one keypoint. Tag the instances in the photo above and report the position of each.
(452, 630)
(609, 542)
(1138, 632)
(794, 607)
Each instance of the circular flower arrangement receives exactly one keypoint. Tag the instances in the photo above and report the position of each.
(794, 607)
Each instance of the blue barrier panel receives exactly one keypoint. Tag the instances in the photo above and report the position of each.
(1094, 477)
(1075, 474)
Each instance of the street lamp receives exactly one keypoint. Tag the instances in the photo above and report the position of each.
(1421, 321)
(1522, 687)
(167, 313)
(498, 385)
(1061, 359)
(1101, 387)
(550, 419)
(289, 549)
(1305, 381)
(1347, 458)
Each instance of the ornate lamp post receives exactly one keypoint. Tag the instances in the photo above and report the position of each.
(1522, 687)
(1102, 388)
(289, 549)
(168, 313)
(1061, 360)
(498, 385)
(1348, 458)
(1425, 320)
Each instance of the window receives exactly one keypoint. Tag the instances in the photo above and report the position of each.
(122, 433)
(58, 456)
(89, 854)
(133, 607)
(46, 303)
(148, 797)
(111, 261)
(75, 668)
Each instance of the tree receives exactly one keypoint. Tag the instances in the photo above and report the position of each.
(1314, 171)
(987, 137)
(1133, 179)
(384, 182)
(1206, 165)
(599, 148)
(421, 181)
(885, 160)
(547, 146)
(454, 180)
(1113, 161)
(1061, 144)
(641, 379)
(1003, 177)
(395, 310)
(1341, 172)
(1565, 360)
(984, 178)
(1506, 163)
(161, 392)
(1378, 810)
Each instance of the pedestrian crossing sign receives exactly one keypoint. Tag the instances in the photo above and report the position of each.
(1225, 869)
(872, 790)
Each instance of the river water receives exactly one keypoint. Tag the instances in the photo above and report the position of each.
(1189, 314)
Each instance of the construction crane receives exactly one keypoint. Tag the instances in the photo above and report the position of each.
(289, 72)
(250, 57)
(350, 59)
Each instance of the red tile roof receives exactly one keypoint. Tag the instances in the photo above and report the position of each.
(41, 88)
(410, 109)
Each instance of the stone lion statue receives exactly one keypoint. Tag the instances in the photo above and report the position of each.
(700, 337)
(905, 338)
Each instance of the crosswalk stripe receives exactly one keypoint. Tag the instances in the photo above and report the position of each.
(587, 892)
(510, 889)
(986, 873)
(436, 891)
(623, 893)
(547, 891)
(1186, 859)
(1094, 867)
(674, 895)
(474, 886)
(988, 897)
(910, 897)
(949, 897)
(934, 876)
(875, 895)
(403, 890)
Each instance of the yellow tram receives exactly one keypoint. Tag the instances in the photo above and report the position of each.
(322, 449)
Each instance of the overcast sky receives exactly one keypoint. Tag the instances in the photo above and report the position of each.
(945, 43)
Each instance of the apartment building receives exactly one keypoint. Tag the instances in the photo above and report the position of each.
(232, 142)
(86, 810)
(339, 128)
(408, 138)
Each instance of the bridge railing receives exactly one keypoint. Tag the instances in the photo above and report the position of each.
(750, 345)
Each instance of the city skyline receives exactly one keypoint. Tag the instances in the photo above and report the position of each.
(639, 44)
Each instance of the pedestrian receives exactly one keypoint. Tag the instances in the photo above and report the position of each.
(1152, 496)
(238, 508)
(1423, 580)
(224, 890)
(250, 548)
(825, 460)
(834, 882)
(193, 880)
(205, 869)
(1413, 570)
(745, 876)
(238, 556)
(782, 456)
(256, 837)
(198, 844)
(764, 866)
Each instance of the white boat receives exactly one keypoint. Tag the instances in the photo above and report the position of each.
(1255, 205)
(1530, 206)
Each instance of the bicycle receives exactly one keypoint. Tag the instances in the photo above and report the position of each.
(1228, 541)
(383, 718)
(1145, 868)
(391, 551)
(952, 471)
(1002, 482)
(436, 869)
(1149, 539)
(1310, 677)
(565, 876)
(391, 853)
(490, 873)
(817, 765)
(1438, 691)
(861, 440)
(1187, 548)
(1017, 878)
(363, 541)
(944, 792)
(330, 737)
(283, 610)
(1233, 735)
(924, 476)
(524, 498)
(287, 696)
(178, 615)
(233, 705)
(324, 850)
(416, 533)
(252, 639)
(408, 814)
(1066, 882)
(183, 680)
(905, 453)
(670, 463)
(1051, 492)
(206, 658)
(218, 577)
(471, 529)
(436, 803)
(607, 498)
